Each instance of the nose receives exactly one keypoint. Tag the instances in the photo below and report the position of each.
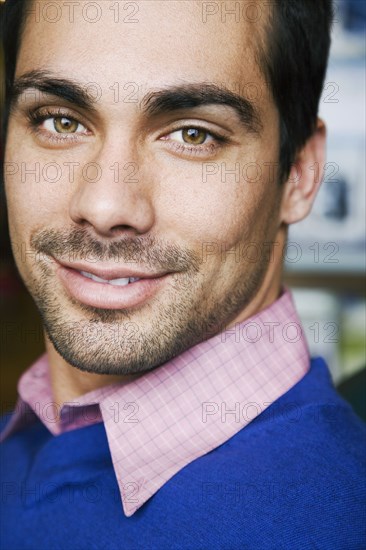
(109, 195)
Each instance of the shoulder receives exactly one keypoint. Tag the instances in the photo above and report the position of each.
(311, 420)
(4, 420)
(295, 476)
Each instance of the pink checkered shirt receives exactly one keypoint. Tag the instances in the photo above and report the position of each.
(162, 421)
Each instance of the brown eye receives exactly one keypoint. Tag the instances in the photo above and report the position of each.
(194, 136)
(64, 125)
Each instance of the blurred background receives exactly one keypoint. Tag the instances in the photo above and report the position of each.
(325, 256)
(325, 259)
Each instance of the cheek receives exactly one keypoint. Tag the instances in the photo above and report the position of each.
(202, 210)
(35, 187)
(33, 204)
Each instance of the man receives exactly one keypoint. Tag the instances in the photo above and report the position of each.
(156, 153)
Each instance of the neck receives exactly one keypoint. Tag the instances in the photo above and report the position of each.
(68, 382)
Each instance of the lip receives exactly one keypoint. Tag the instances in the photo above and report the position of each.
(104, 295)
(109, 272)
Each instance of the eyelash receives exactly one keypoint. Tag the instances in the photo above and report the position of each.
(209, 149)
(36, 118)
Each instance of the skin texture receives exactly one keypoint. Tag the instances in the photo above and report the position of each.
(170, 217)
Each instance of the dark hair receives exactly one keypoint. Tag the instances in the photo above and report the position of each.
(12, 22)
(293, 58)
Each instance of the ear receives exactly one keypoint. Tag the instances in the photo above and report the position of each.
(305, 177)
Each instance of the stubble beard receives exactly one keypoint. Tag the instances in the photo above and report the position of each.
(139, 339)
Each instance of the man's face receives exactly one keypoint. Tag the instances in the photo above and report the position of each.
(126, 187)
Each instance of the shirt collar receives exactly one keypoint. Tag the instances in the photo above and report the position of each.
(178, 412)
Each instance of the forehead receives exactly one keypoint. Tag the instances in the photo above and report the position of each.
(156, 42)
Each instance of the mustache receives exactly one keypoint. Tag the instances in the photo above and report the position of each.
(78, 244)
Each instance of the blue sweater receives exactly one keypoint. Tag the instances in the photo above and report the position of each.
(294, 478)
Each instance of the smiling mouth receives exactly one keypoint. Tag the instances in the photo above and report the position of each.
(122, 281)
(110, 287)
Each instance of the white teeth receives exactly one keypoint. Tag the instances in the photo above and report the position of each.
(123, 281)
(93, 277)
(119, 282)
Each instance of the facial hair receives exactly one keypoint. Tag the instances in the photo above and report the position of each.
(131, 340)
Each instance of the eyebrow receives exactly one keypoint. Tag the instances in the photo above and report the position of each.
(189, 96)
(154, 103)
(50, 84)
